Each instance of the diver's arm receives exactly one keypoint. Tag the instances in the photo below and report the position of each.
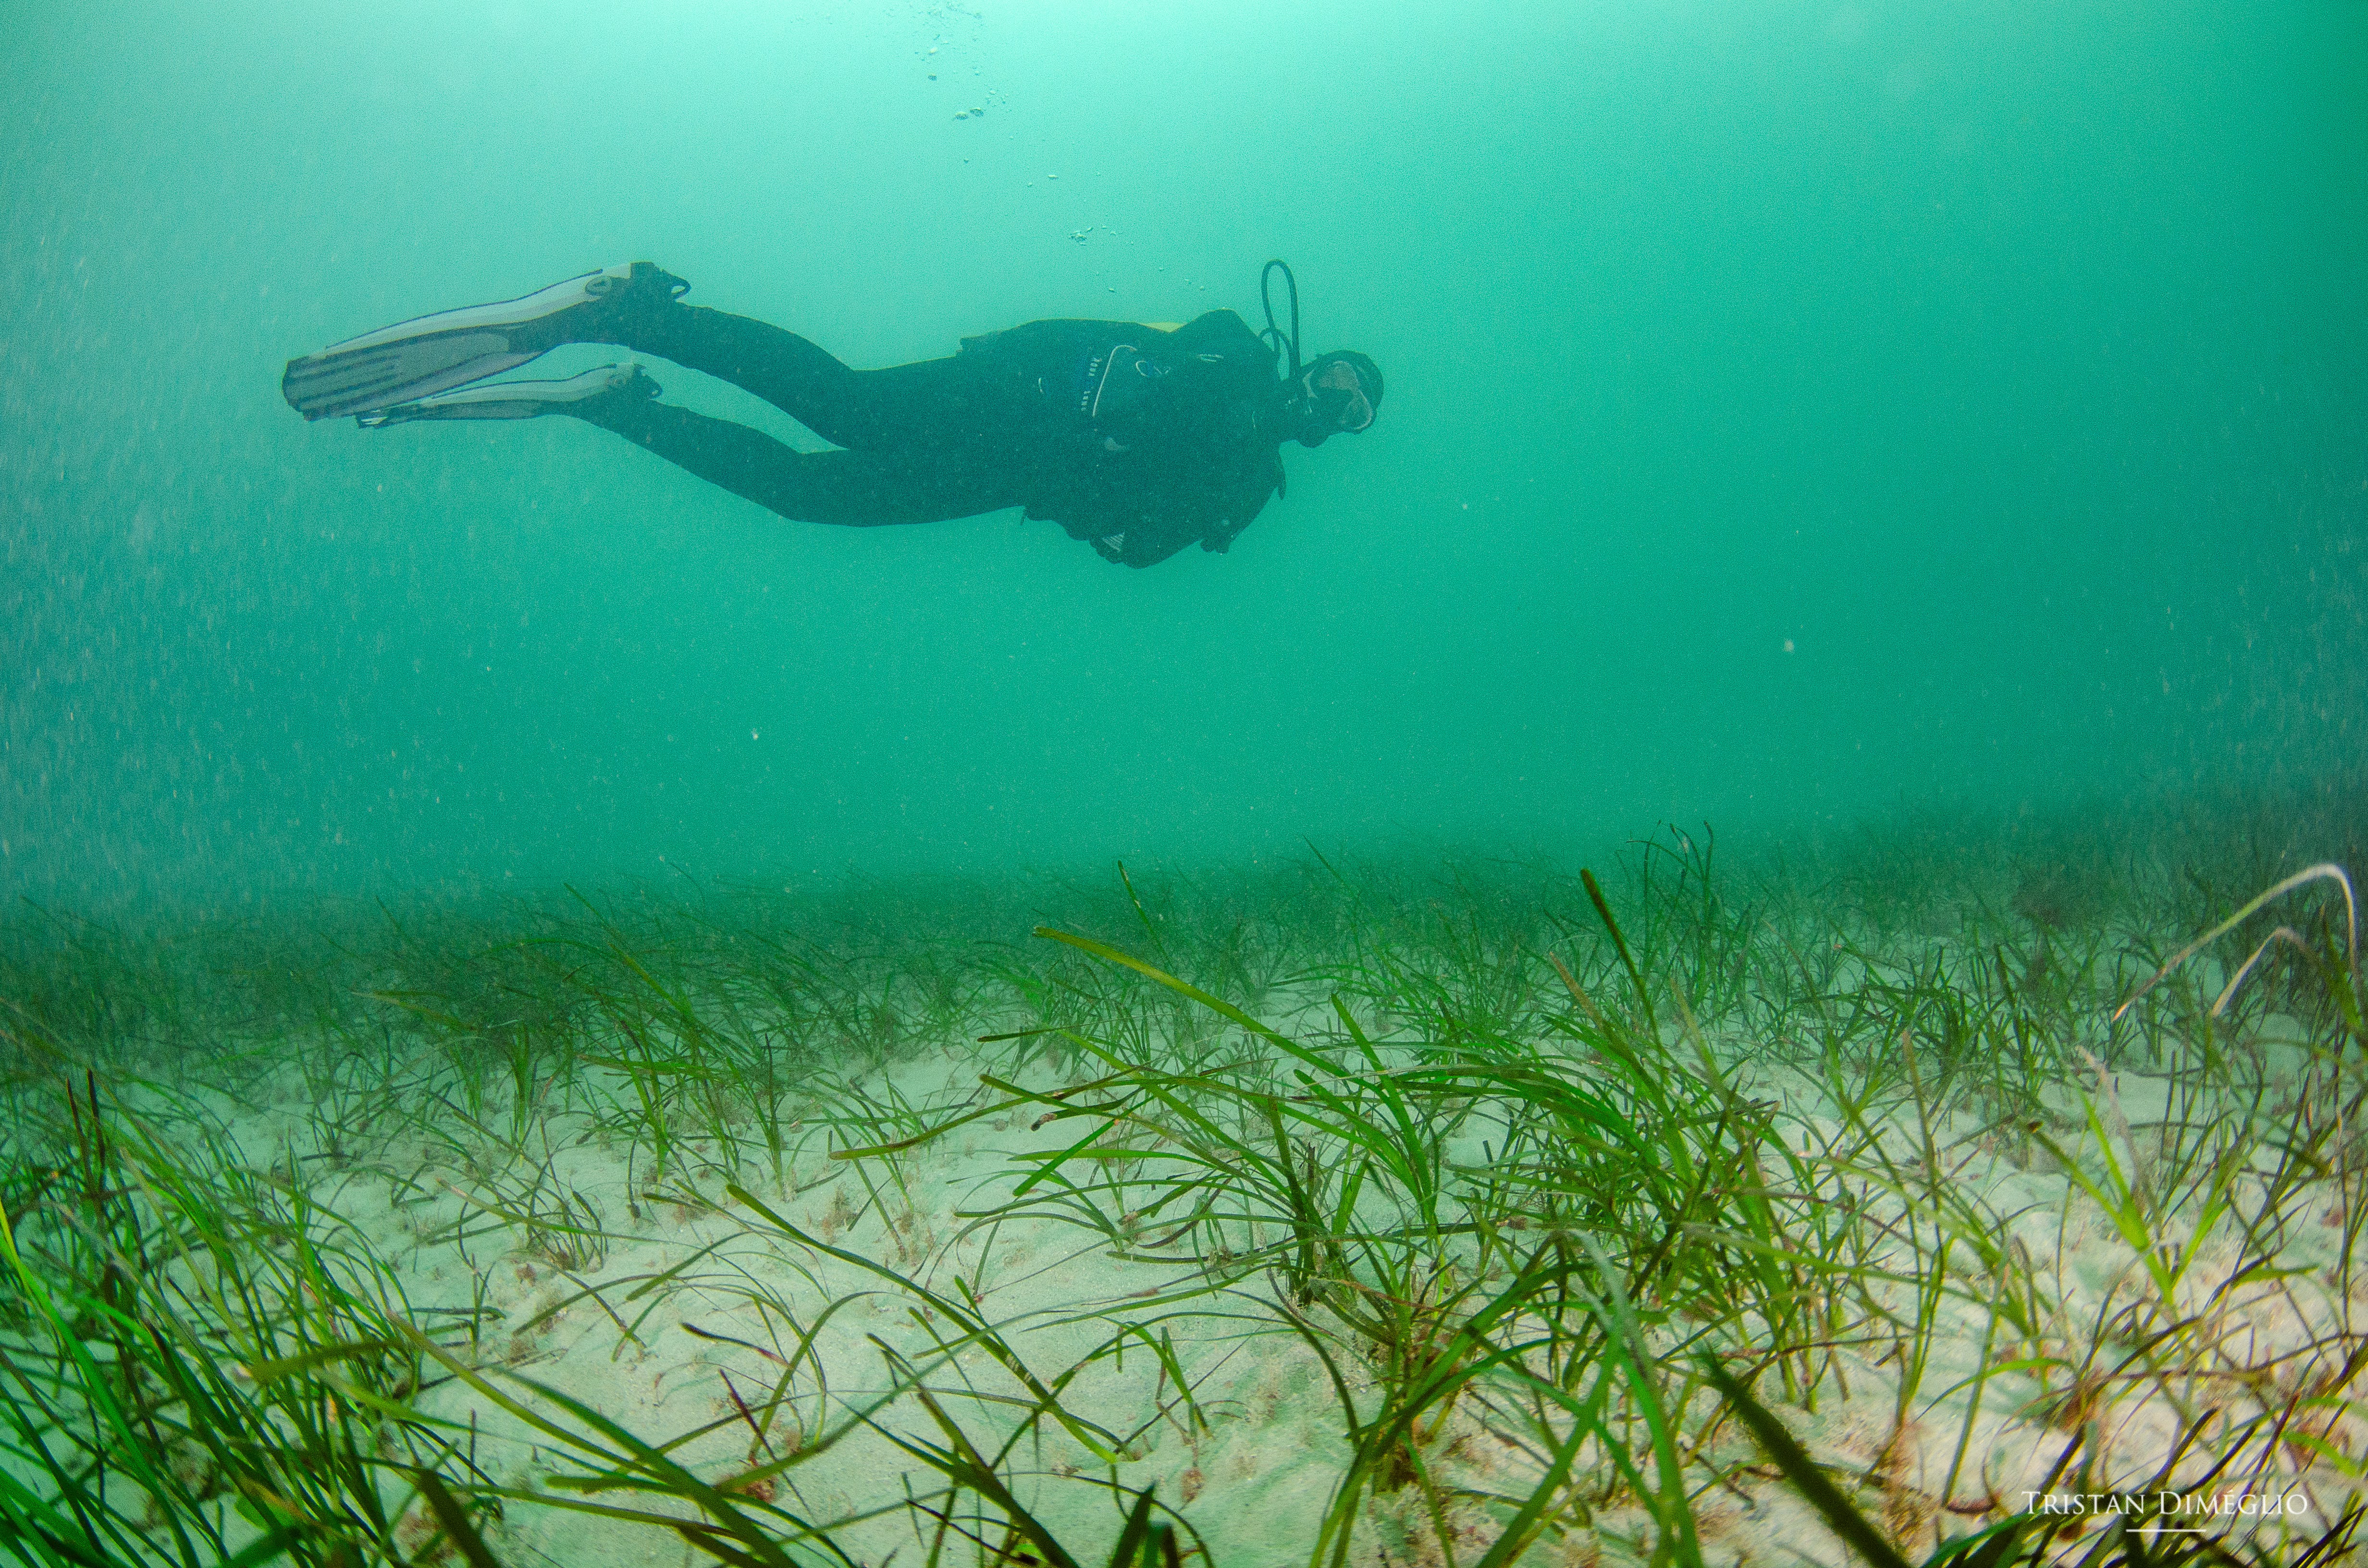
(1210, 517)
(1237, 504)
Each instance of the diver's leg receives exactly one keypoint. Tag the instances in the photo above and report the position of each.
(934, 402)
(852, 489)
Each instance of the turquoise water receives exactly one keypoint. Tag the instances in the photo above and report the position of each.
(1798, 414)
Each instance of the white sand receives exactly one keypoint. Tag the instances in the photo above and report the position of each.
(1255, 1485)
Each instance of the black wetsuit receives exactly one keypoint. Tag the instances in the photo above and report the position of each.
(1137, 440)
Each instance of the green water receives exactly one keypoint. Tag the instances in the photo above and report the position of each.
(1798, 414)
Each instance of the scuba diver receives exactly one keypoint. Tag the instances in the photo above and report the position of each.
(1138, 439)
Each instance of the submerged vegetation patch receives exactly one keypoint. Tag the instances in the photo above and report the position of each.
(1928, 1198)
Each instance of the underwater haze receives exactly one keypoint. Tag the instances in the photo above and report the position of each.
(1797, 413)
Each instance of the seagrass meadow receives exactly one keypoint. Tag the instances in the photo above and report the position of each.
(1919, 1202)
(1716, 927)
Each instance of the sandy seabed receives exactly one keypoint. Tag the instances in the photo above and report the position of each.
(1429, 1247)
